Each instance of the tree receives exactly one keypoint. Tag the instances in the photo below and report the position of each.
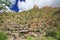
(3, 4)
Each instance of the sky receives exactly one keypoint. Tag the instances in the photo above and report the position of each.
(25, 5)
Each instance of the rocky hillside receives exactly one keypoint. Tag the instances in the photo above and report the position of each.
(35, 24)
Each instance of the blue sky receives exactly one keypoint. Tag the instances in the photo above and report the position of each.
(15, 7)
(25, 5)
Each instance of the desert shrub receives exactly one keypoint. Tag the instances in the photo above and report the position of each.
(29, 38)
(58, 34)
(47, 38)
(54, 34)
(50, 33)
(3, 36)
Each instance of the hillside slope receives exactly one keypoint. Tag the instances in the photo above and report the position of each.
(33, 24)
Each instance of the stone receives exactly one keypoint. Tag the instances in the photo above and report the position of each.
(34, 34)
(10, 38)
(24, 30)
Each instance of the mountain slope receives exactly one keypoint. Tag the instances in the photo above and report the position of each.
(33, 23)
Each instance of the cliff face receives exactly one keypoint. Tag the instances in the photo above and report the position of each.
(34, 23)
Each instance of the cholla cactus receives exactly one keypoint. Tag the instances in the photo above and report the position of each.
(3, 4)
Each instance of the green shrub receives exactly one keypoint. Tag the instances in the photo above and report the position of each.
(3, 36)
(47, 38)
(54, 34)
(29, 38)
(58, 34)
(50, 33)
